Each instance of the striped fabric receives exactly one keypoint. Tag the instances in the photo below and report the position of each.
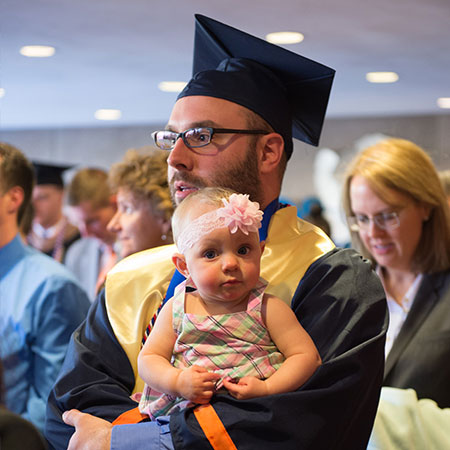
(151, 323)
(234, 345)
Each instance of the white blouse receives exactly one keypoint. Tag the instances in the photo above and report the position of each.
(398, 313)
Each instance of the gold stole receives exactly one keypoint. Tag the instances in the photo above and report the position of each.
(136, 286)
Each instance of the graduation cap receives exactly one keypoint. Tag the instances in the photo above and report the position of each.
(287, 90)
(49, 174)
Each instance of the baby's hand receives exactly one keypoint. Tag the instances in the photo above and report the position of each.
(197, 384)
(246, 387)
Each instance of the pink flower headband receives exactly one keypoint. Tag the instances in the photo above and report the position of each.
(238, 212)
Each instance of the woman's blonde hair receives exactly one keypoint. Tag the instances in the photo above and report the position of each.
(143, 172)
(444, 176)
(401, 165)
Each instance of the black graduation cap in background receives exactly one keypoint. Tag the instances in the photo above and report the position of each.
(49, 173)
(289, 91)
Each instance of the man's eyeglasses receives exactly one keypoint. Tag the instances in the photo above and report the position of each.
(195, 137)
(385, 221)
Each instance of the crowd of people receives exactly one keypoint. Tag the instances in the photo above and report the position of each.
(175, 302)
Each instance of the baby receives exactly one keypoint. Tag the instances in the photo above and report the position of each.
(221, 330)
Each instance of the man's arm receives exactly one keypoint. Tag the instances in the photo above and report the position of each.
(59, 310)
(96, 377)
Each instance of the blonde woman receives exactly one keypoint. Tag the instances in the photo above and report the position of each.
(399, 218)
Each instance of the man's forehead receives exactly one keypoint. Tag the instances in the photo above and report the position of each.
(196, 111)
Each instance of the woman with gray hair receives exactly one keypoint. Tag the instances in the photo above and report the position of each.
(144, 207)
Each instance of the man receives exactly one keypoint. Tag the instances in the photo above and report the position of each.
(92, 206)
(232, 126)
(51, 231)
(41, 304)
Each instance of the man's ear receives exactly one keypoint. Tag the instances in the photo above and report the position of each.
(262, 244)
(271, 151)
(180, 263)
(15, 199)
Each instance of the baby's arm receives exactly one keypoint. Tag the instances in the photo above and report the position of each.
(194, 383)
(302, 357)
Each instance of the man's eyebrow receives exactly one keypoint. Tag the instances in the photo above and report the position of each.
(203, 123)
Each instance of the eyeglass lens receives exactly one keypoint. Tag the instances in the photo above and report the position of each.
(194, 137)
(383, 221)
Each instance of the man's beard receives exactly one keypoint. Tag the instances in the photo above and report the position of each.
(242, 177)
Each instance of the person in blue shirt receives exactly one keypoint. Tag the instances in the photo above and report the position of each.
(41, 303)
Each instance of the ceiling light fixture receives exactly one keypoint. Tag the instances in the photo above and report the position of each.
(2, 92)
(108, 114)
(381, 77)
(443, 102)
(37, 51)
(285, 37)
(172, 86)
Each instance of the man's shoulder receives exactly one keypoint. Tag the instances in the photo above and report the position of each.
(292, 245)
(43, 267)
(350, 274)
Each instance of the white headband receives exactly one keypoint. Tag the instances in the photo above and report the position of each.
(238, 212)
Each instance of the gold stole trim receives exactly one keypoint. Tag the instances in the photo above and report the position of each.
(136, 286)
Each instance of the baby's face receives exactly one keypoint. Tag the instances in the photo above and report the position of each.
(225, 266)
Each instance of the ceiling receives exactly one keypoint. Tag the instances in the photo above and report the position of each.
(113, 54)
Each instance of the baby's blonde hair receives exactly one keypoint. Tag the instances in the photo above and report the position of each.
(211, 196)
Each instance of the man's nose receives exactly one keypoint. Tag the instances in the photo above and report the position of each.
(181, 157)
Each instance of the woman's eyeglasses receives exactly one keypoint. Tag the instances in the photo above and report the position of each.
(385, 221)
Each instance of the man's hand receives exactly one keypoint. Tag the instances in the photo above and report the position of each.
(246, 387)
(91, 433)
(197, 384)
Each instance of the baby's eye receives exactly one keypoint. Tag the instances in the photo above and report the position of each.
(210, 254)
(244, 250)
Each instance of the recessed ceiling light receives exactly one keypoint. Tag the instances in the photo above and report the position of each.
(108, 114)
(172, 86)
(2, 92)
(37, 51)
(444, 102)
(381, 77)
(285, 37)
